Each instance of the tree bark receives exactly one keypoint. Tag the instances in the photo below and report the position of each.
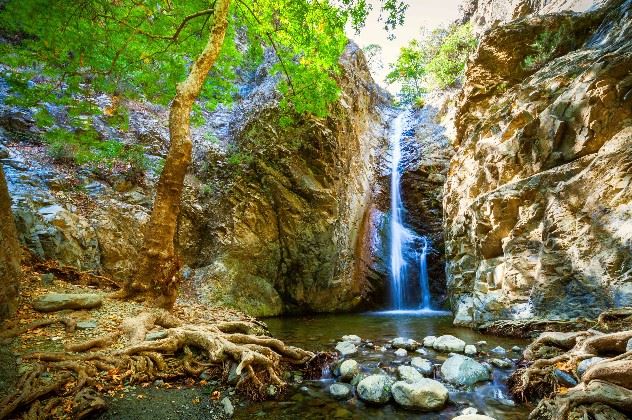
(10, 254)
(158, 275)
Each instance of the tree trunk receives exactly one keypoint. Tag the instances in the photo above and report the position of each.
(158, 275)
(9, 254)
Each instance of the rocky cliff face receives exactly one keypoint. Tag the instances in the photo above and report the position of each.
(280, 231)
(272, 216)
(538, 204)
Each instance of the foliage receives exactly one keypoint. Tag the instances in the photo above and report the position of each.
(449, 62)
(373, 54)
(545, 46)
(436, 60)
(63, 53)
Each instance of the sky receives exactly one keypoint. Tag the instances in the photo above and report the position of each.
(421, 13)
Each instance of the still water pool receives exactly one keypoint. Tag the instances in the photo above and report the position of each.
(311, 399)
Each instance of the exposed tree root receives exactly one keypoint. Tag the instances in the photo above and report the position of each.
(126, 357)
(603, 387)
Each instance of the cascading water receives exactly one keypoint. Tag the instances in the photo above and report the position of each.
(398, 232)
(401, 237)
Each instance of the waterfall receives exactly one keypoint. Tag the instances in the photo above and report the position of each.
(423, 276)
(398, 232)
(401, 237)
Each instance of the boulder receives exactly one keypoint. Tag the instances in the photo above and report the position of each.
(499, 350)
(405, 343)
(429, 340)
(409, 374)
(425, 394)
(349, 369)
(449, 343)
(470, 350)
(346, 348)
(352, 339)
(463, 370)
(401, 353)
(375, 389)
(501, 363)
(52, 302)
(422, 365)
(340, 391)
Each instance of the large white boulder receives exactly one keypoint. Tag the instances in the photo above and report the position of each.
(463, 370)
(449, 343)
(425, 394)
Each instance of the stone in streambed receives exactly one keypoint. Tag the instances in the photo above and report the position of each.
(405, 343)
(424, 394)
(422, 365)
(429, 340)
(340, 391)
(375, 389)
(349, 369)
(628, 346)
(501, 363)
(52, 302)
(498, 350)
(449, 343)
(346, 348)
(352, 339)
(401, 353)
(463, 370)
(409, 374)
(473, 417)
(470, 350)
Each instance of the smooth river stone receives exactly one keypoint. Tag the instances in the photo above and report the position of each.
(425, 394)
(463, 370)
(349, 369)
(375, 389)
(449, 343)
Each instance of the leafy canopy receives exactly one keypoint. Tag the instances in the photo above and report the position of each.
(436, 60)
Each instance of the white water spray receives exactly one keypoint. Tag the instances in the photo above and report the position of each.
(398, 232)
(401, 237)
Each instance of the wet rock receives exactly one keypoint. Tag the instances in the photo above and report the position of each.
(381, 349)
(405, 343)
(345, 348)
(233, 378)
(352, 339)
(229, 410)
(47, 279)
(583, 366)
(349, 369)
(356, 379)
(375, 389)
(481, 343)
(409, 374)
(498, 350)
(4, 152)
(470, 350)
(52, 302)
(424, 394)
(87, 325)
(468, 411)
(628, 346)
(340, 391)
(501, 363)
(463, 370)
(516, 349)
(401, 353)
(421, 352)
(155, 335)
(422, 365)
(564, 378)
(473, 417)
(449, 343)
(429, 340)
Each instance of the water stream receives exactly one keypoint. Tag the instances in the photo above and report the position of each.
(404, 242)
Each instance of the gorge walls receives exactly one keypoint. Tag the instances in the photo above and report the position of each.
(538, 203)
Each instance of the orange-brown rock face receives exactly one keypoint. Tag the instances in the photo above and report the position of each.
(538, 204)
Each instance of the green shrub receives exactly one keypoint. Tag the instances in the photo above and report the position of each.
(545, 47)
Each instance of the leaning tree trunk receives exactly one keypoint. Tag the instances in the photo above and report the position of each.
(9, 254)
(158, 275)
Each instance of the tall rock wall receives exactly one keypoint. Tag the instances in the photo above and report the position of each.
(538, 203)
(272, 215)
